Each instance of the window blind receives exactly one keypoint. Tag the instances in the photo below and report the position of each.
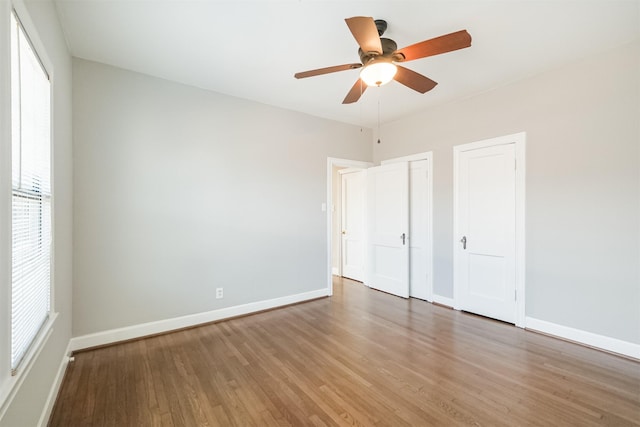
(31, 194)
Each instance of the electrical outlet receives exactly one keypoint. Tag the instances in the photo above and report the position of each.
(219, 293)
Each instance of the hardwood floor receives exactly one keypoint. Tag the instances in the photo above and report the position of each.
(361, 357)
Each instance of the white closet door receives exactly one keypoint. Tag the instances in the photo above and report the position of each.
(387, 228)
(485, 245)
(419, 250)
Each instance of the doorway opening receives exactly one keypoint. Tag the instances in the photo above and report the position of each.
(334, 232)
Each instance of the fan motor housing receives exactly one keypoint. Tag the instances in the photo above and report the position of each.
(388, 47)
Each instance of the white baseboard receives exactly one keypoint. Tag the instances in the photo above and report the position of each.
(438, 299)
(161, 326)
(335, 271)
(55, 388)
(583, 337)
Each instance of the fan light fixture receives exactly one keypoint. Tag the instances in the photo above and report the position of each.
(378, 72)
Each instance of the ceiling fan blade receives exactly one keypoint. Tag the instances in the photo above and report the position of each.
(327, 70)
(414, 80)
(365, 32)
(356, 92)
(436, 46)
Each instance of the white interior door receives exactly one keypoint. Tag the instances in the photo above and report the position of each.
(353, 249)
(419, 248)
(387, 228)
(485, 246)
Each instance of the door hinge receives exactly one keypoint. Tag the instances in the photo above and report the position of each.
(515, 295)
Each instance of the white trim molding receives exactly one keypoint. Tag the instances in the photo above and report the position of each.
(167, 325)
(349, 170)
(55, 388)
(590, 339)
(410, 158)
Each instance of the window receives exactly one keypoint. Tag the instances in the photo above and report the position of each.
(31, 195)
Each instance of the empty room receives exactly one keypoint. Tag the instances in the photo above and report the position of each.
(318, 212)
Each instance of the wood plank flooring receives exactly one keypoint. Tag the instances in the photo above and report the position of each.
(361, 358)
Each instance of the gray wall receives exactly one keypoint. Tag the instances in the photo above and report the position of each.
(582, 190)
(40, 17)
(180, 190)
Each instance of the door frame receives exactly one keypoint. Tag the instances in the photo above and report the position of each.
(519, 139)
(428, 156)
(331, 162)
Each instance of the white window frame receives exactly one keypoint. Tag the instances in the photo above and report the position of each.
(10, 384)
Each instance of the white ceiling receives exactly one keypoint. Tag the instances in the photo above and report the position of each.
(251, 49)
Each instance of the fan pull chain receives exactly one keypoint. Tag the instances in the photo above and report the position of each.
(378, 117)
(361, 113)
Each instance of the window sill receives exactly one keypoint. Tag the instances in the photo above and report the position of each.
(11, 385)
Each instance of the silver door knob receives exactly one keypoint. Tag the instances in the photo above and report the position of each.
(464, 242)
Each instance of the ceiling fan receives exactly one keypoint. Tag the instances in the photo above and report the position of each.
(378, 56)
